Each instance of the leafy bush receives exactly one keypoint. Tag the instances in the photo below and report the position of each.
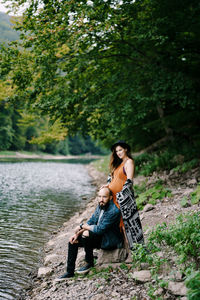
(192, 199)
(183, 236)
(182, 239)
(158, 192)
(186, 166)
(195, 196)
(180, 156)
(193, 284)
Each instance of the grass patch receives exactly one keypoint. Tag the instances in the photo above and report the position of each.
(102, 165)
(8, 153)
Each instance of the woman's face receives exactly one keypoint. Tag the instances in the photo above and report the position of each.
(121, 152)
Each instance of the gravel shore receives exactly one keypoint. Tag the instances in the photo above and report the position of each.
(116, 281)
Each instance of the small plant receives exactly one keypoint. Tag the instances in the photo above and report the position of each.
(184, 202)
(181, 240)
(123, 266)
(186, 166)
(193, 284)
(195, 196)
(183, 236)
(158, 192)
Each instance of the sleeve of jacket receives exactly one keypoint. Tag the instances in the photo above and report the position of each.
(94, 218)
(107, 221)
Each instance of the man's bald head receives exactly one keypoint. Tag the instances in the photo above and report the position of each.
(104, 196)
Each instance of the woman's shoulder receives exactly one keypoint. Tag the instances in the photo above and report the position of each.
(129, 162)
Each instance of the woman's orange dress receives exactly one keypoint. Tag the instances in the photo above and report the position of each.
(116, 185)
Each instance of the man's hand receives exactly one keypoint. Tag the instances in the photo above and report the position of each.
(77, 229)
(73, 239)
(104, 186)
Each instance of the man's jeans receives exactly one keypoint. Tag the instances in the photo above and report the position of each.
(89, 243)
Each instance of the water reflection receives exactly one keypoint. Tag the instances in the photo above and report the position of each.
(35, 198)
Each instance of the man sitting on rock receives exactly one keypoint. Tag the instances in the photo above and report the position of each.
(101, 231)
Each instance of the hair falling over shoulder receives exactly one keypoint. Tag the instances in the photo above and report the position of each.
(115, 161)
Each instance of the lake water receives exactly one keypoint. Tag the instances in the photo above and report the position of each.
(35, 199)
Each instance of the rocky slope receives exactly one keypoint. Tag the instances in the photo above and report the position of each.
(113, 281)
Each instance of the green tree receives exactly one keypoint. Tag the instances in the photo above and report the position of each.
(127, 69)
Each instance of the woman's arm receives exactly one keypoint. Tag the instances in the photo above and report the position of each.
(129, 168)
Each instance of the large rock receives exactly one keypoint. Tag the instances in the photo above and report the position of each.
(51, 258)
(111, 256)
(177, 288)
(141, 276)
(43, 272)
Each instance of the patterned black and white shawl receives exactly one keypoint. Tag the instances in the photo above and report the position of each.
(130, 215)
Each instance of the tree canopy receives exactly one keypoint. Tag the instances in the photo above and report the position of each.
(111, 69)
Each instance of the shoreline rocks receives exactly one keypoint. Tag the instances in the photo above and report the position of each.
(115, 280)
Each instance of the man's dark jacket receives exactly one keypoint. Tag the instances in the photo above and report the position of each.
(108, 226)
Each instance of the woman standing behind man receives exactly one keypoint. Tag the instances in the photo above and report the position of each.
(120, 182)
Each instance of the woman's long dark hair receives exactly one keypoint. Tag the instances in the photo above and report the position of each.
(115, 161)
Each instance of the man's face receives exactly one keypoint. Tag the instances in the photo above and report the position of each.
(103, 196)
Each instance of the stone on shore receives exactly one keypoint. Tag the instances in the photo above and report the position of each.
(51, 258)
(43, 272)
(111, 256)
(50, 243)
(141, 276)
(177, 288)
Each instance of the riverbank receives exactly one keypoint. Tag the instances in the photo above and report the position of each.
(43, 156)
(122, 281)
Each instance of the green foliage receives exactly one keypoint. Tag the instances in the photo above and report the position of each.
(184, 236)
(146, 164)
(181, 239)
(110, 69)
(158, 192)
(82, 145)
(178, 156)
(6, 130)
(187, 166)
(195, 196)
(184, 201)
(193, 283)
